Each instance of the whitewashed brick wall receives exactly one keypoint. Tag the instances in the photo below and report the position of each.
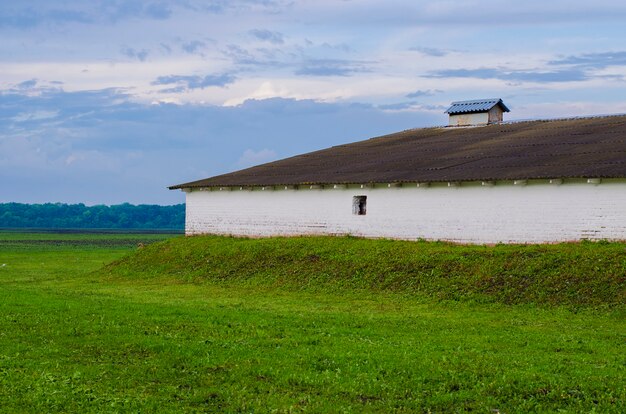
(481, 118)
(471, 213)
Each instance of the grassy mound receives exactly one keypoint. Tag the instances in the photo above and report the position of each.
(584, 274)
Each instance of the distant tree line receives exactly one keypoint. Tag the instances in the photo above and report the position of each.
(79, 216)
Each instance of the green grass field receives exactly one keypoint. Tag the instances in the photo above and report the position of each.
(212, 324)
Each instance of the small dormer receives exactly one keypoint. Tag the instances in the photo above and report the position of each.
(477, 112)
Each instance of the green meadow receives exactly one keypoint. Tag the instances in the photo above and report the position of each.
(116, 323)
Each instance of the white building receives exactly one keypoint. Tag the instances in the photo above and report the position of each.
(479, 112)
(525, 182)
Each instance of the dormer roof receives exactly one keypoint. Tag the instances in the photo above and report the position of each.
(478, 105)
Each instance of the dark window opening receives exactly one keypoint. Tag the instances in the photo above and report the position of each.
(359, 205)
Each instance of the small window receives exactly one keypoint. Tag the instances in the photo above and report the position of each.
(359, 205)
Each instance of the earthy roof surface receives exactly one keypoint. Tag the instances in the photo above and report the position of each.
(570, 148)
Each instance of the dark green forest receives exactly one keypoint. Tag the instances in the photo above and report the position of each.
(80, 216)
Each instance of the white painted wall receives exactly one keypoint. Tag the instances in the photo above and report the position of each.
(471, 213)
(480, 118)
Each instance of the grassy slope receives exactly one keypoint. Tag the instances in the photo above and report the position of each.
(131, 340)
(587, 274)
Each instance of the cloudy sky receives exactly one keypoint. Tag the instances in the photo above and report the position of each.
(108, 101)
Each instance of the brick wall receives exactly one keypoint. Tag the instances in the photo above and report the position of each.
(470, 213)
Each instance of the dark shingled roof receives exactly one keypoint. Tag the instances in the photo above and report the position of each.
(569, 148)
(480, 105)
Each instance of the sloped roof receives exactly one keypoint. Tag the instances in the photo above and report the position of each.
(568, 148)
(480, 105)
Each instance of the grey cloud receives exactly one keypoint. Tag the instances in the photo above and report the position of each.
(241, 56)
(116, 10)
(66, 105)
(594, 60)
(561, 75)
(159, 10)
(430, 51)
(176, 89)
(342, 47)
(564, 75)
(32, 85)
(27, 84)
(618, 78)
(331, 67)
(419, 93)
(27, 14)
(28, 17)
(40, 115)
(397, 106)
(194, 82)
(412, 105)
(140, 55)
(193, 46)
(484, 73)
(268, 36)
(223, 6)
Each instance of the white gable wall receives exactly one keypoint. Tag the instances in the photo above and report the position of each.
(471, 213)
(495, 114)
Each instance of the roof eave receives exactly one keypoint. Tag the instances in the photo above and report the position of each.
(503, 106)
(416, 181)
